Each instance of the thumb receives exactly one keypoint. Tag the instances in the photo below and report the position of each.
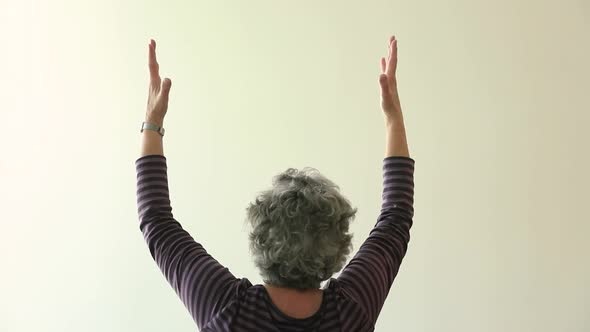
(166, 84)
(384, 85)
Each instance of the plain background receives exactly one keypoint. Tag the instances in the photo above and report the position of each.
(495, 98)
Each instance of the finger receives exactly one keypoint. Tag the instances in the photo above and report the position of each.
(388, 51)
(392, 38)
(382, 65)
(153, 65)
(392, 63)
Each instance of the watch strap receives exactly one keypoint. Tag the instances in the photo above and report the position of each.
(152, 126)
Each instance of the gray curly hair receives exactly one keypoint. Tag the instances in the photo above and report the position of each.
(299, 234)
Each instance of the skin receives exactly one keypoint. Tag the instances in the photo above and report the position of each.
(294, 303)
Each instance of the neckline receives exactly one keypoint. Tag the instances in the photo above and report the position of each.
(290, 318)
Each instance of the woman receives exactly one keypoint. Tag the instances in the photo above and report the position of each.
(299, 236)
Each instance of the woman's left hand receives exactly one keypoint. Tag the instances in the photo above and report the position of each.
(159, 90)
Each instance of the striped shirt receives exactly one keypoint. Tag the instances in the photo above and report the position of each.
(219, 301)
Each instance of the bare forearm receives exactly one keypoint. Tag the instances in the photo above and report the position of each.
(151, 141)
(395, 135)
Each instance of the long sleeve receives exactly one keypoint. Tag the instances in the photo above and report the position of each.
(368, 277)
(201, 282)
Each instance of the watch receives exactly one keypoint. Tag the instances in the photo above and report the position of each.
(151, 126)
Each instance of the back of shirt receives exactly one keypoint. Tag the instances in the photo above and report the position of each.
(353, 301)
(218, 301)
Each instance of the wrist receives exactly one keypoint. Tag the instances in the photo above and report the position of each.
(155, 120)
(394, 121)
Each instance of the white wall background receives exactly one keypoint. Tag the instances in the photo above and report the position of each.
(495, 98)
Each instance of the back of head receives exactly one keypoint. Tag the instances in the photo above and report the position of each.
(299, 234)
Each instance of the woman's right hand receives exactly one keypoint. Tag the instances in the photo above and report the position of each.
(389, 97)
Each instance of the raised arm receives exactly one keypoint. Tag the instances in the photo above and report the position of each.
(202, 283)
(368, 277)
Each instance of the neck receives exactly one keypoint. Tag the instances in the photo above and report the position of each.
(292, 290)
